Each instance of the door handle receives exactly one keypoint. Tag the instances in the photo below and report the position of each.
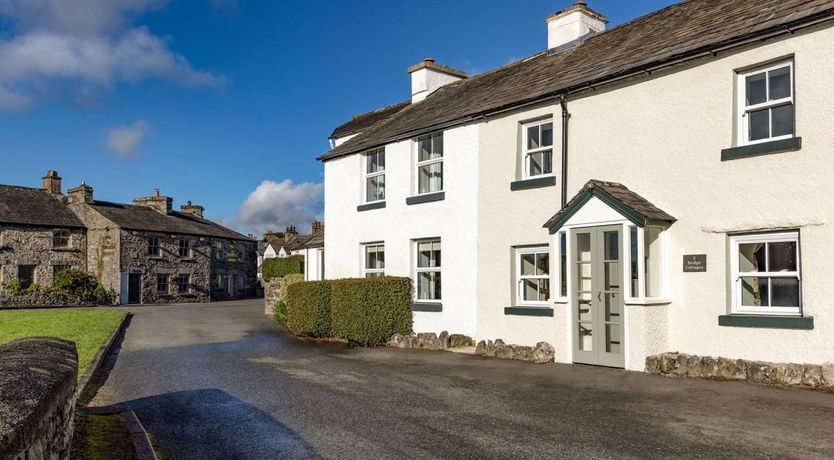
(599, 296)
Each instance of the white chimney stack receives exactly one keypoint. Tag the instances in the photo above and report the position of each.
(427, 77)
(572, 26)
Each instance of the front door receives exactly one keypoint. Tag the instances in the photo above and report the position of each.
(597, 305)
(134, 287)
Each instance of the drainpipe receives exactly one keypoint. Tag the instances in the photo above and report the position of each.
(563, 101)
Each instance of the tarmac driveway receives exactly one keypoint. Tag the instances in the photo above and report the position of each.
(223, 381)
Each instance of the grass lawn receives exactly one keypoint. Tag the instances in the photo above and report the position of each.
(102, 437)
(87, 327)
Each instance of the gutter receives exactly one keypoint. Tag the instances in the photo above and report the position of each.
(593, 84)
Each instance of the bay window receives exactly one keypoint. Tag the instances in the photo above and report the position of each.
(765, 274)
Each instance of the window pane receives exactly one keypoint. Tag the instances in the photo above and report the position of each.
(756, 89)
(785, 292)
(533, 140)
(425, 148)
(780, 83)
(612, 245)
(782, 120)
(376, 188)
(759, 124)
(653, 265)
(754, 292)
(544, 290)
(428, 286)
(782, 256)
(563, 271)
(542, 264)
(583, 247)
(431, 178)
(586, 339)
(530, 290)
(528, 264)
(536, 164)
(634, 264)
(547, 162)
(751, 257)
(428, 254)
(437, 145)
(547, 135)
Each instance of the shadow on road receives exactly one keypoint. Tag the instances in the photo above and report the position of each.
(211, 424)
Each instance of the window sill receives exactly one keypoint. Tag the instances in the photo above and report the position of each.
(432, 307)
(765, 148)
(529, 184)
(648, 302)
(370, 206)
(66, 250)
(768, 322)
(426, 198)
(187, 259)
(528, 311)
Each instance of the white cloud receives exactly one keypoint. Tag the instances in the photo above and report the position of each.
(275, 205)
(124, 141)
(83, 47)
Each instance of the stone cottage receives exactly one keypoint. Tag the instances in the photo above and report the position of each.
(145, 251)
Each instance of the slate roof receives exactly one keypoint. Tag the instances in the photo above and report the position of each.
(315, 241)
(34, 206)
(133, 217)
(618, 196)
(686, 29)
(363, 121)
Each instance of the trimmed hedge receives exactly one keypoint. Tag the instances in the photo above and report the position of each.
(277, 268)
(369, 311)
(308, 308)
(280, 314)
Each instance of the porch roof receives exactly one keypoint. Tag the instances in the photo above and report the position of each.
(631, 205)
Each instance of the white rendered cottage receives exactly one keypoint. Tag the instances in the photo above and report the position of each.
(659, 186)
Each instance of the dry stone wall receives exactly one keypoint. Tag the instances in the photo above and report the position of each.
(817, 376)
(37, 398)
(272, 292)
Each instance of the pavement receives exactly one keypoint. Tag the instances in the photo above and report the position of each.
(222, 381)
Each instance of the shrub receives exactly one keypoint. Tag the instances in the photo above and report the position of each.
(15, 287)
(280, 314)
(308, 308)
(276, 268)
(369, 311)
(78, 284)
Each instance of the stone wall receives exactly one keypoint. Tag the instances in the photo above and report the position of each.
(542, 353)
(103, 246)
(240, 265)
(41, 299)
(272, 292)
(29, 245)
(683, 365)
(37, 398)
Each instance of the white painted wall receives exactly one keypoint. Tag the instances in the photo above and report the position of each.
(453, 220)
(313, 263)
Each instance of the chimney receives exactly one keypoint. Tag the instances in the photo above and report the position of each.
(52, 182)
(192, 209)
(160, 204)
(81, 194)
(570, 27)
(427, 77)
(290, 233)
(318, 228)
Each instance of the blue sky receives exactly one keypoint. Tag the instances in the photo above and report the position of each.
(228, 103)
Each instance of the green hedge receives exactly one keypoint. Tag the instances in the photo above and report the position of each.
(280, 314)
(277, 268)
(308, 308)
(369, 311)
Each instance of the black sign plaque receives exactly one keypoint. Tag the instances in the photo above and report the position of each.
(695, 263)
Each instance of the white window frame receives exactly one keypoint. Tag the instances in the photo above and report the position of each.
(367, 272)
(158, 246)
(742, 109)
(369, 175)
(640, 297)
(420, 164)
(61, 235)
(187, 247)
(736, 274)
(526, 153)
(187, 283)
(556, 267)
(519, 278)
(418, 270)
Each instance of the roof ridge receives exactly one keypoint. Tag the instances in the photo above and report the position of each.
(381, 109)
(23, 187)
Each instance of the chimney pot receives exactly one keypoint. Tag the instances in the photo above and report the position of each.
(156, 192)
